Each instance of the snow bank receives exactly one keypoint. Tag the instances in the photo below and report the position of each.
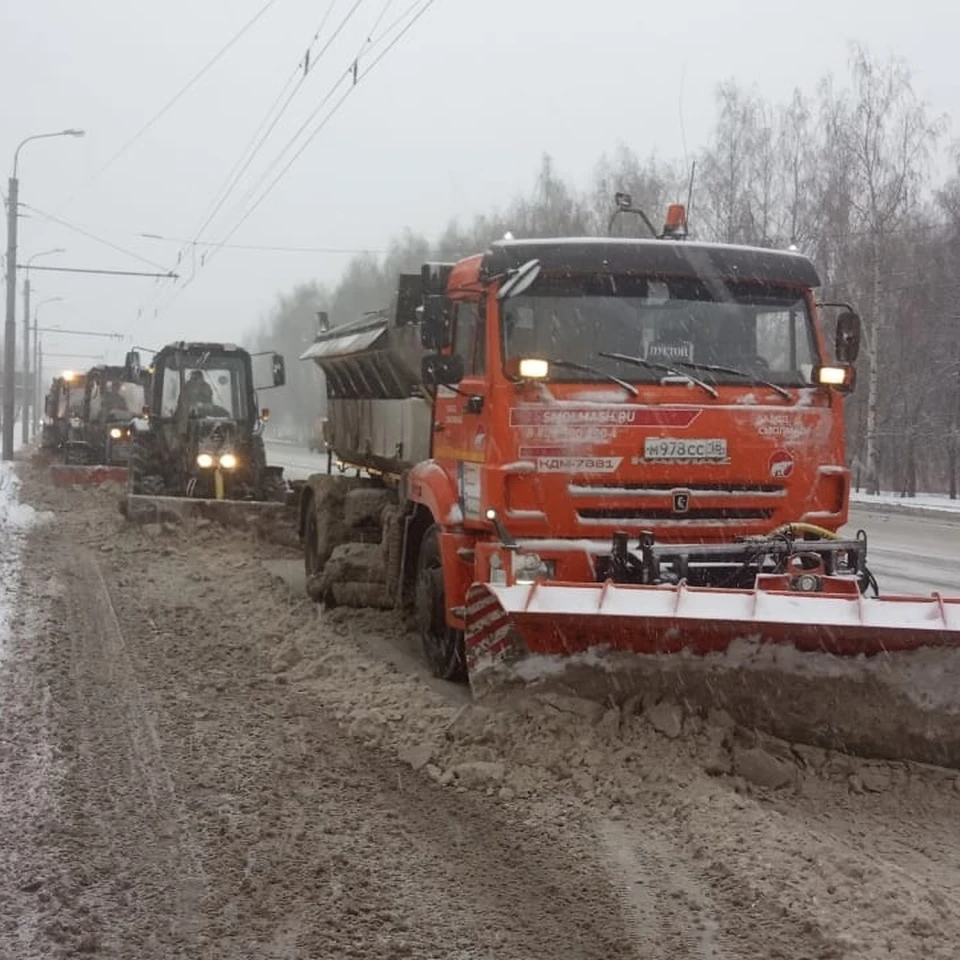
(922, 501)
(14, 515)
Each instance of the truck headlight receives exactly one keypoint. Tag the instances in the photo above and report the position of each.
(228, 461)
(204, 461)
(115, 433)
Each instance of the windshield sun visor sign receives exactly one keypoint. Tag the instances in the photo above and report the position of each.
(600, 416)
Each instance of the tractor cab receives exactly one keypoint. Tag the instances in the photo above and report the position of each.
(202, 433)
(112, 397)
(63, 411)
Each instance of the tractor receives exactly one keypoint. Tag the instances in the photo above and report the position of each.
(63, 407)
(200, 434)
(112, 398)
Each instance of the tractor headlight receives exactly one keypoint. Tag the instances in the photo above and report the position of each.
(228, 461)
(204, 460)
(115, 433)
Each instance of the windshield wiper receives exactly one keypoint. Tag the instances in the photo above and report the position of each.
(650, 365)
(716, 368)
(586, 368)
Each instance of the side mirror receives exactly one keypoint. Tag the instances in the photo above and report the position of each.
(521, 279)
(279, 371)
(437, 323)
(441, 370)
(848, 337)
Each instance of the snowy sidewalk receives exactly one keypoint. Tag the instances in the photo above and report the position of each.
(921, 503)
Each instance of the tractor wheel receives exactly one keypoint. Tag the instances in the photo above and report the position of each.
(443, 647)
(143, 474)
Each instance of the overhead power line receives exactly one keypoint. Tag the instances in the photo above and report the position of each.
(94, 237)
(270, 248)
(357, 77)
(305, 65)
(172, 101)
(260, 135)
(351, 72)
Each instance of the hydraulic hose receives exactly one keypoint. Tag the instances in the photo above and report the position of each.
(805, 528)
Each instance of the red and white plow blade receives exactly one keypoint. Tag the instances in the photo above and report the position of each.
(875, 676)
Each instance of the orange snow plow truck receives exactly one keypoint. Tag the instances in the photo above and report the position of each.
(616, 467)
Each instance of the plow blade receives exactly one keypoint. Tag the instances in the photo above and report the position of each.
(876, 677)
(70, 475)
(272, 521)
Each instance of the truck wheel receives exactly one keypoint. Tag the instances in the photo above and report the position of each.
(312, 564)
(443, 647)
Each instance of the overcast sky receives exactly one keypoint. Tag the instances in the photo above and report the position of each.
(451, 122)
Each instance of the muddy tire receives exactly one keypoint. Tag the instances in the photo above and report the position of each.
(443, 647)
(143, 472)
(312, 563)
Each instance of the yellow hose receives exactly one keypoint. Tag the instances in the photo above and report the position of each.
(805, 528)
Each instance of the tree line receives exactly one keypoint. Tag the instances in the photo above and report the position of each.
(844, 172)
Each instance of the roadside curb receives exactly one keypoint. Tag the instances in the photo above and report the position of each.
(905, 510)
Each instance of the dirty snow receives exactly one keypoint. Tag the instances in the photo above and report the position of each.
(234, 774)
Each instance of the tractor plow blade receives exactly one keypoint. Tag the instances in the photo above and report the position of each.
(70, 475)
(876, 677)
(272, 521)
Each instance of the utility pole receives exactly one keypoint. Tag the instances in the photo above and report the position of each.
(10, 327)
(25, 392)
(29, 395)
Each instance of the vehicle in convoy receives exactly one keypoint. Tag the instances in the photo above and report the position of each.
(113, 397)
(62, 412)
(201, 432)
(618, 465)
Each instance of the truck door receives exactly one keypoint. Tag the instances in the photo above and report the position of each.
(460, 437)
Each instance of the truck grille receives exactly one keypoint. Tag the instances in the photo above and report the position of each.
(693, 515)
(631, 490)
(615, 503)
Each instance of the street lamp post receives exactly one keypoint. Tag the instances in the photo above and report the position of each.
(10, 327)
(38, 382)
(29, 395)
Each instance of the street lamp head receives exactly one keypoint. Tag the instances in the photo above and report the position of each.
(72, 132)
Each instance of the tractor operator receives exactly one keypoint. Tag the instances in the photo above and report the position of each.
(196, 391)
(113, 400)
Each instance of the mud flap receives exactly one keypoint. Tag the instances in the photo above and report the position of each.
(877, 677)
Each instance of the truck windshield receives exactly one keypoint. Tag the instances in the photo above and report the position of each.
(761, 332)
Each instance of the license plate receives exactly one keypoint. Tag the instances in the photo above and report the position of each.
(672, 449)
